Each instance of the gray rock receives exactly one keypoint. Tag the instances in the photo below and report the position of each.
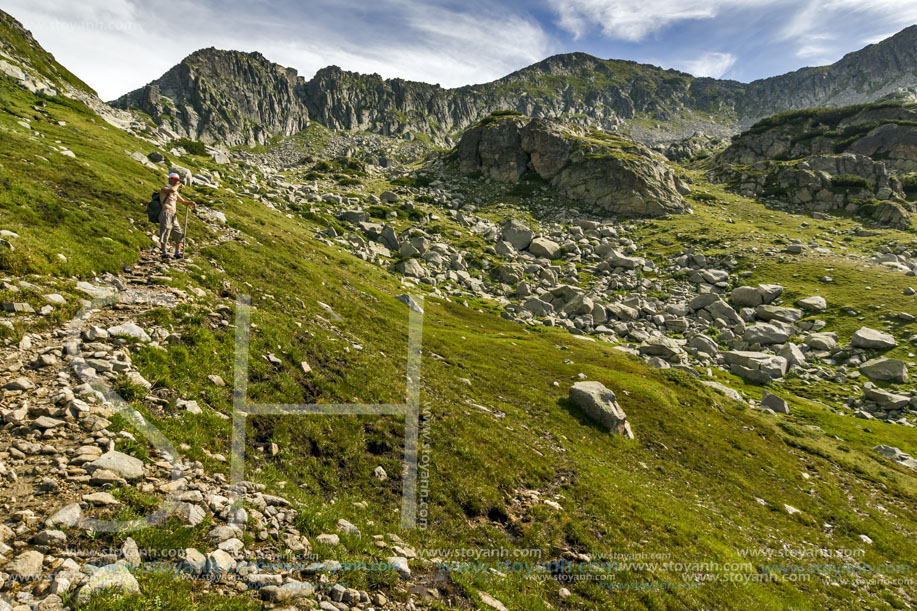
(411, 268)
(400, 564)
(872, 339)
(114, 579)
(813, 304)
(756, 366)
(517, 234)
(766, 333)
(891, 370)
(600, 404)
(26, 565)
(822, 341)
(129, 330)
(543, 247)
(125, 466)
(772, 401)
(20, 383)
(68, 516)
(897, 455)
(748, 296)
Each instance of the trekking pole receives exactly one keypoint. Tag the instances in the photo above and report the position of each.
(185, 231)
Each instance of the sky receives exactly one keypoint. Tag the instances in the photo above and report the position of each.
(119, 45)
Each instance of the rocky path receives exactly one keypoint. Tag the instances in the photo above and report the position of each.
(63, 474)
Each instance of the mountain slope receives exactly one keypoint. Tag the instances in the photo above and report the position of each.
(715, 504)
(654, 104)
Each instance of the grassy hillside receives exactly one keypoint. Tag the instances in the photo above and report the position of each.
(704, 484)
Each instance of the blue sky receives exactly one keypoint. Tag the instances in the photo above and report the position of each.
(119, 45)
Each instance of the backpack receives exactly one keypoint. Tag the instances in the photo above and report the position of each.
(154, 208)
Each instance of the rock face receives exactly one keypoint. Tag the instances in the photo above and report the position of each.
(243, 98)
(613, 175)
(822, 160)
(600, 404)
(224, 96)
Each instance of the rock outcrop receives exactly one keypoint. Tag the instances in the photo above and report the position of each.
(846, 159)
(613, 175)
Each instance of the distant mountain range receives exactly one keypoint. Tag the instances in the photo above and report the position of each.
(242, 98)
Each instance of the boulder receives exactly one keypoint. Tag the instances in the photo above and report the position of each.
(766, 333)
(125, 466)
(517, 234)
(872, 339)
(821, 341)
(891, 370)
(600, 404)
(775, 403)
(757, 367)
(747, 296)
(813, 304)
(544, 248)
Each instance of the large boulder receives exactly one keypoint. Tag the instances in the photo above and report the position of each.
(600, 404)
(543, 247)
(891, 370)
(757, 367)
(613, 174)
(872, 339)
(517, 234)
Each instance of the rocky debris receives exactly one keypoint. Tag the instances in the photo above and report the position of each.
(882, 404)
(612, 174)
(896, 455)
(871, 339)
(600, 404)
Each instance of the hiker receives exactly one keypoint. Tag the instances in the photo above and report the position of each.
(169, 225)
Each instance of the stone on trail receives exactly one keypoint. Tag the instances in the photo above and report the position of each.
(872, 339)
(26, 565)
(68, 516)
(114, 579)
(20, 383)
(129, 330)
(96, 292)
(121, 464)
(600, 404)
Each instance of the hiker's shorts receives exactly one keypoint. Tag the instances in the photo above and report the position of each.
(169, 226)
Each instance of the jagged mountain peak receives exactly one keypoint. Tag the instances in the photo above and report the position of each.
(653, 104)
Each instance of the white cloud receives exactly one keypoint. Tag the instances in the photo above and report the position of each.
(634, 20)
(712, 64)
(119, 45)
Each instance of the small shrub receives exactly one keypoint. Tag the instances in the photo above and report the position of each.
(193, 147)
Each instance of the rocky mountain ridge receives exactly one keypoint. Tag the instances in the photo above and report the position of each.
(234, 97)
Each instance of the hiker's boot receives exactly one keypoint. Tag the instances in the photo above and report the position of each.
(178, 255)
(165, 256)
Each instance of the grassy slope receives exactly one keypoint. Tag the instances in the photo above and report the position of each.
(686, 486)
